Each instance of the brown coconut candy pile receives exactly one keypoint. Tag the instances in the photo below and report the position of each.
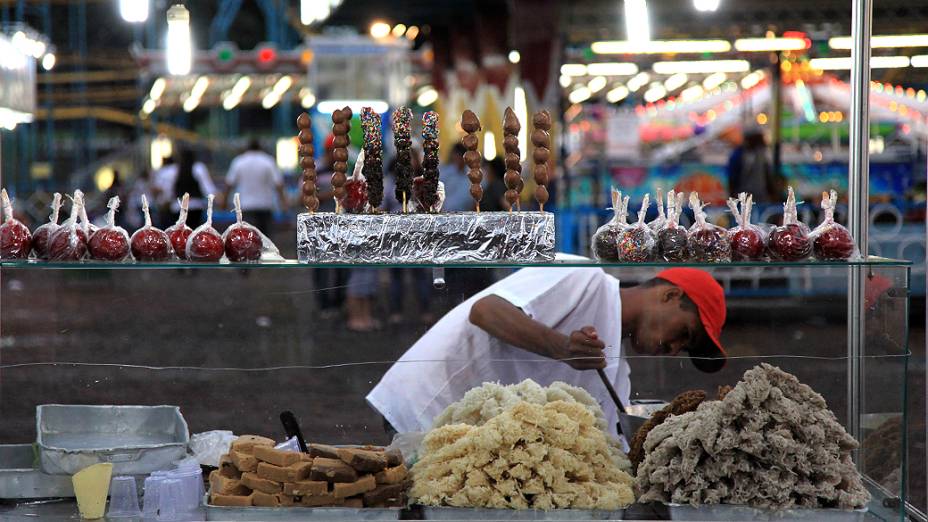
(307, 162)
(542, 142)
(341, 126)
(254, 473)
(771, 443)
(513, 177)
(471, 125)
(683, 403)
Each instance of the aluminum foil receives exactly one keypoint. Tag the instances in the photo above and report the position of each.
(325, 237)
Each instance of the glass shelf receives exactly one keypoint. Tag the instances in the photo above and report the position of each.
(572, 262)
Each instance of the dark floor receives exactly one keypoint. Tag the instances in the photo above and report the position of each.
(235, 348)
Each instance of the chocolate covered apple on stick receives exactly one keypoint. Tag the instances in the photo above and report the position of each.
(402, 140)
(373, 157)
(513, 161)
(341, 126)
(426, 187)
(471, 143)
(308, 194)
(541, 139)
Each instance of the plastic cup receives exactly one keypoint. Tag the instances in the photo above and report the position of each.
(192, 487)
(124, 498)
(169, 500)
(150, 495)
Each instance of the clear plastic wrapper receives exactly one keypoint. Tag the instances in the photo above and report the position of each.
(150, 243)
(356, 199)
(748, 242)
(672, 238)
(244, 242)
(830, 240)
(69, 242)
(41, 234)
(15, 237)
(326, 237)
(707, 243)
(205, 244)
(88, 225)
(109, 243)
(637, 243)
(606, 237)
(658, 222)
(179, 232)
(790, 241)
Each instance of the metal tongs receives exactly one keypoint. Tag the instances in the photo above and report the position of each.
(628, 424)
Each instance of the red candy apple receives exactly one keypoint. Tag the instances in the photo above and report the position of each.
(150, 243)
(205, 244)
(15, 238)
(790, 241)
(179, 232)
(831, 241)
(69, 242)
(41, 234)
(243, 241)
(110, 243)
(355, 201)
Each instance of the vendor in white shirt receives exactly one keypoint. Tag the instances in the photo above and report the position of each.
(511, 331)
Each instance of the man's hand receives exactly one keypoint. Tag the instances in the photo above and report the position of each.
(583, 350)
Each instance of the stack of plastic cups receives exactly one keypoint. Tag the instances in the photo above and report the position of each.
(124, 498)
(150, 497)
(175, 495)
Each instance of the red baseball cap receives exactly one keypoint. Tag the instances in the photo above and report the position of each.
(709, 298)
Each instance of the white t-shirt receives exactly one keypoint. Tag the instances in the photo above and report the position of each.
(254, 175)
(455, 355)
(166, 176)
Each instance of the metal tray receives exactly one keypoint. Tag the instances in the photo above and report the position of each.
(19, 478)
(137, 440)
(452, 513)
(456, 237)
(724, 512)
(300, 513)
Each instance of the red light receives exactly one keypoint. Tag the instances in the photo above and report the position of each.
(267, 55)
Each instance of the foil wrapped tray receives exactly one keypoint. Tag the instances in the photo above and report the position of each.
(325, 237)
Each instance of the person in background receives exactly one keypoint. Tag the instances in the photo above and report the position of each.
(133, 214)
(420, 278)
(749, 169)
(330, 283)
(457, 186)
(255, 176)
(191, 177)
(494, 193)
(159, 193)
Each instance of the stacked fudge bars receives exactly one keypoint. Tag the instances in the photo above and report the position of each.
(256, 474)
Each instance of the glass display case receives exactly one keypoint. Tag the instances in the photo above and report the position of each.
(235, 345)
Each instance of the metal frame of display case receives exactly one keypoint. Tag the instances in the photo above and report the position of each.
(858, 217)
